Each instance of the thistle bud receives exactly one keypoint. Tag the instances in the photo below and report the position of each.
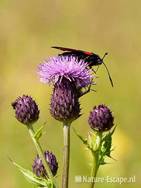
(26, 110)
(101, 118)
(38, 167)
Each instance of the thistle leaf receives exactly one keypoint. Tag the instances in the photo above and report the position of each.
(106, 146)
(38, 133)
(94, 141)
(32, 178)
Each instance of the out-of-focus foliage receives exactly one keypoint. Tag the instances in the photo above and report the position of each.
(27, 31)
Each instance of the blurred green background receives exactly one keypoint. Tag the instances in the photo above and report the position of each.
(27, 31)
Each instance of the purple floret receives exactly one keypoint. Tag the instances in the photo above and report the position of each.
(55, 69)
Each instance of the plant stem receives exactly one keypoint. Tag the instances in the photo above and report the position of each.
(66, 157)
(40, 151)
(95, 165)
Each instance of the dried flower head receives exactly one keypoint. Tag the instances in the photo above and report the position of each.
(101, 118)
(65, 105)
(54, 69)
(38, 167)
(26, 110)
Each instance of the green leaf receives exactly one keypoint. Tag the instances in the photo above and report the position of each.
(31, 177)
(38, 133)
(106, 146)
(94, 141)
(107, 143)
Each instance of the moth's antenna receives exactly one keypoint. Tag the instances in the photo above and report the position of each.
(105, 55)
(111, 81)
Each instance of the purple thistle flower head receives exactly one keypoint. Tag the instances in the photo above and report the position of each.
(26, 109)
(55, 69)
(101, 118)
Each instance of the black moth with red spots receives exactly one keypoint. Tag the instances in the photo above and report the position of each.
(90, 58)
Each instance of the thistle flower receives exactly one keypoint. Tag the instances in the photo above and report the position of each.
(54, 69)
(38, 167)
(26, 110)
(68, 76)
(101, 118)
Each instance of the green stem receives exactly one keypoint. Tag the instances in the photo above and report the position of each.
(95, 165)
(94, 170)
(40, 151)
(66, 157)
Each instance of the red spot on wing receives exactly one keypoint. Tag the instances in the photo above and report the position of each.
(88, 53)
